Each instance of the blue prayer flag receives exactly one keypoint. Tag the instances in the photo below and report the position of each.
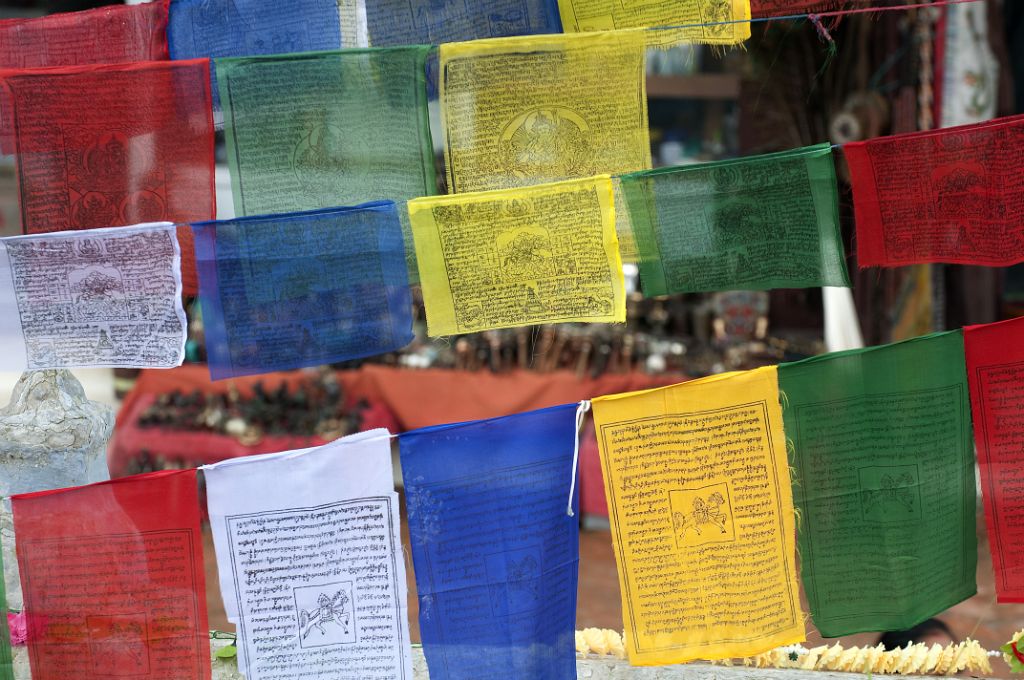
(494, 550)
(412, 22)
(301, 289)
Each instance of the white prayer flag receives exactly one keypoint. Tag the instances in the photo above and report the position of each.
(98, 297)
(310, 559)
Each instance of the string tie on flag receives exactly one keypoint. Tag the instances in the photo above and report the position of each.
(581, 413)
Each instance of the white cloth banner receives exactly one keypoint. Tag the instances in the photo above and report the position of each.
(99, 297)
(311, 564)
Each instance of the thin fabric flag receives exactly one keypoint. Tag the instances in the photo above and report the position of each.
(240, 28)
(410, 22)
(103, 297)
(995, 371)
(752, 223)
(776, 8)
(287, 291)
(523, 111)
(310, 559)
(6, 661)
(317, 130)
(99, 146)
(113, 579)
(715, 22)
(105, 35)
(701, 512)
(952, 195)
(503, 259)
(495, 551)
(883, 481)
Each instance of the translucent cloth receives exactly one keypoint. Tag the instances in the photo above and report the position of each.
(104, 35)
(746, 224)
(995, 370)
(501, 259)
(953, 195)
(105, 297)
(113, 579)
(411, 22)
(522, 111)
(285, 291)
(333, 128)
(883, 481)
(98, 146)
(699, 499)
(6, 663)
(310, 559)
(495, 552)
(722, 20)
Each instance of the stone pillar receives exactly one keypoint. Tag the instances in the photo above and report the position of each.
(51, 437)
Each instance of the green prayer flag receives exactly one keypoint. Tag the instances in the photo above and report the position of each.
(323, 129)
(6, 662)
(883, 482)
(753, 223)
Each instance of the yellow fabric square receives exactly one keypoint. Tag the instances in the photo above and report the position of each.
(701, 510)
(536, 109)
(517, 257)
(706, 21)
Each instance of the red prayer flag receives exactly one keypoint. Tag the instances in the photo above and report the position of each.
(111, 145)
(105, 35)
(113, 579)
(776, 8)
(995, 371)
(954, 195)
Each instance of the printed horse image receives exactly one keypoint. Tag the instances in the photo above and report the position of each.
(703, 514)
(330, 610)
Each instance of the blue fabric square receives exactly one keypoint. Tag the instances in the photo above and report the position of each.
(431, 22)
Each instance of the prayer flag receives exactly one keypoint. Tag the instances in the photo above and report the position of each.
(113, 580)
(410, 22)
(494, 548)
(310, 560)
(775, 8)
(6, 662)
(721, 22)
(951, 195)
(883, 481)
(281, 292)
(751, 223)
(502, 259)
(104, 35)
(701, 512)
(103, 297)
(98, 146)
(995, 370)
(324, 129)
(522, 111)
(239, 28)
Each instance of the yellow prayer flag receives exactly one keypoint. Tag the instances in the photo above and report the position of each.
(701, 510)
(534, 109)
(500, 259)
(714, 22)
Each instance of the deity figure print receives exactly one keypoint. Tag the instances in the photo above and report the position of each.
(549, 143)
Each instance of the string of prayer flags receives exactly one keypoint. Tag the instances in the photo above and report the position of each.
(502, 259)
(99, 146)
(337, 605)
(317, 130)
(104, 35)
(754, 223)
(103, 297)
(995, 371)
(281, 292)
(411, 22)
(6, 661)
(720, 22)
(239, 28)
(495, 551)
(113, 580)
(949, 195)
(701, 512)
(883, 482)
(530, 110)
